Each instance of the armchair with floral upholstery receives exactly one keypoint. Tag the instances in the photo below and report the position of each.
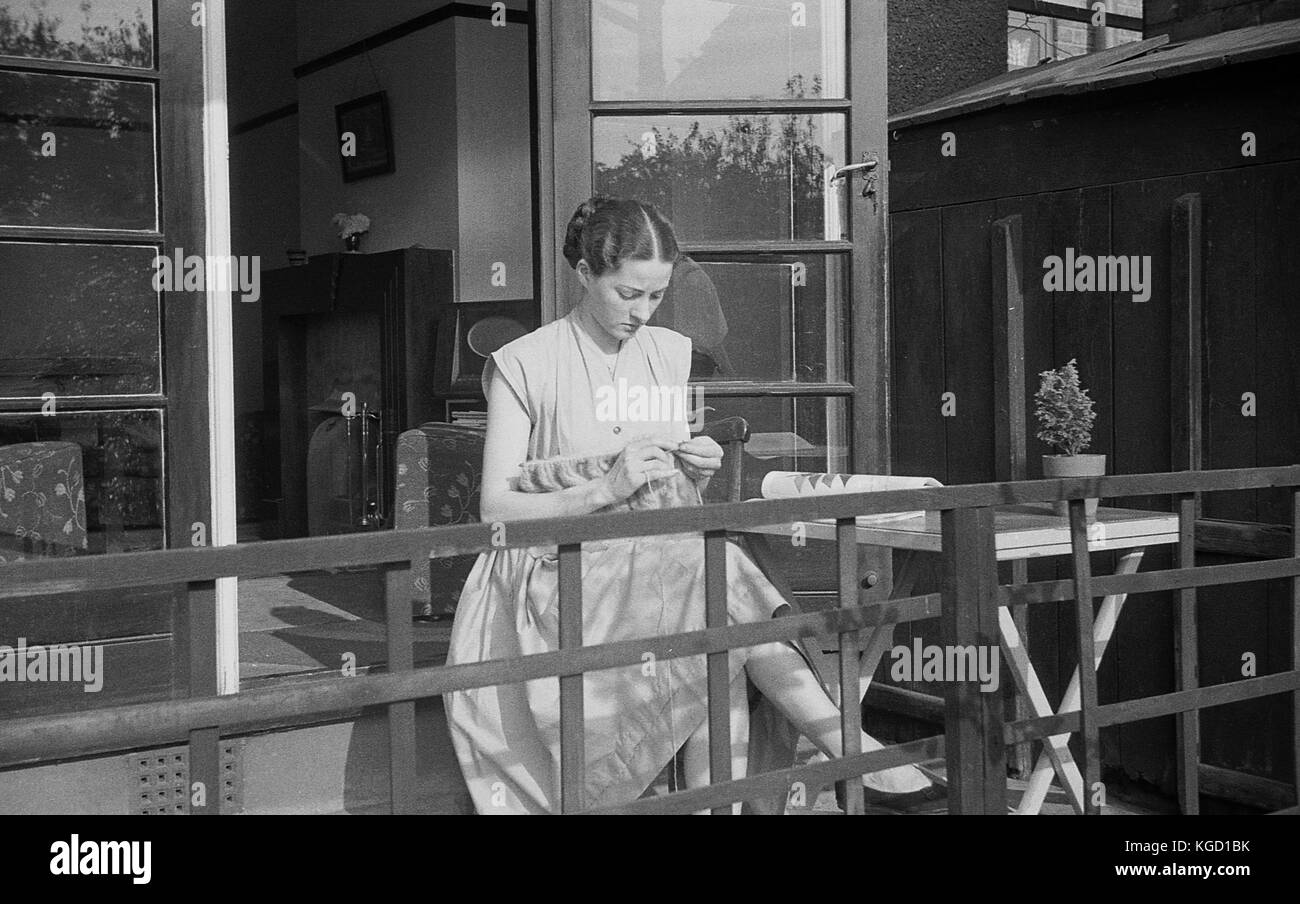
(439, 472)
(42, 501)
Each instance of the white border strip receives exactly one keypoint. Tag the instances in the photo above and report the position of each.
(221, 374)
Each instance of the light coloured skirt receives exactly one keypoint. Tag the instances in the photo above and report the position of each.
(507, 738)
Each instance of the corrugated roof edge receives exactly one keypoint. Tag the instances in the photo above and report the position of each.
(1127, 64)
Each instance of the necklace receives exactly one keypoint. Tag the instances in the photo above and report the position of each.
(611, 362)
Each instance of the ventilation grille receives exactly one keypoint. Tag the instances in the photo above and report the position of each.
(162, 780)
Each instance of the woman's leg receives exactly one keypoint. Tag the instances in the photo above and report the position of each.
(695, 752)
(783, 676)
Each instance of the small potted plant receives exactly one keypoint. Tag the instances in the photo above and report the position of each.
(351, 227)
(1065, 418)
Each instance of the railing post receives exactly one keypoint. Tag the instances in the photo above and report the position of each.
(1009, 411)
(401, 716)
(1082, 568)
(719, 679)
(205, 789)
(1186, 655)
(850, 683)
(573, 744)
(973, 721)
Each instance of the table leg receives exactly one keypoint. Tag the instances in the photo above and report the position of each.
(882, 636)
(1056, 752)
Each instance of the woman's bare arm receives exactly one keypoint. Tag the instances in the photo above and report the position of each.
(507, 445)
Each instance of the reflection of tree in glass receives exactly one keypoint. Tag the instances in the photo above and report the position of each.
(40, 34)
(750, 178)
(102, 174)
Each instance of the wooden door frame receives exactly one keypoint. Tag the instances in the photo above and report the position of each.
(198, 374)
(563, 67)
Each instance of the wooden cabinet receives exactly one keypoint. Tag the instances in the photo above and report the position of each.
(349, 336)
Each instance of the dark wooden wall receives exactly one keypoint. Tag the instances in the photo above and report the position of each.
(1100, 173)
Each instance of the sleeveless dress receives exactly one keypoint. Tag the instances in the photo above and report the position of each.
(507, 737)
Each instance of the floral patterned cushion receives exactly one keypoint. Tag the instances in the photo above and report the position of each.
(439, 473)
(42, 501)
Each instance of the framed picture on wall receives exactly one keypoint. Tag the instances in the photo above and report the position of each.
(365, 137)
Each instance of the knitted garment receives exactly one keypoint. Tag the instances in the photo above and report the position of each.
(551, 474)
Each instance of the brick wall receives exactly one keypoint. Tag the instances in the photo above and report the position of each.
(1183, 19)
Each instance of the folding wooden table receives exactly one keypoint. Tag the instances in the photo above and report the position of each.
(1022, 532)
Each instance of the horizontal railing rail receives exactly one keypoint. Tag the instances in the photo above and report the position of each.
(975, 733)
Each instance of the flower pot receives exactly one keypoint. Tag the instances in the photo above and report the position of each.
(1055, 466)
(353, 243)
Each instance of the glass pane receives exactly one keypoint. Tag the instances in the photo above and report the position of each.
(78, 320)
(788, 435)
(76, 152)
(72, 484)
(779, 318)
(710, 50)
(725, 178)
(115, 32)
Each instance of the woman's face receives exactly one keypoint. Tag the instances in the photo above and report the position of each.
(622, 300)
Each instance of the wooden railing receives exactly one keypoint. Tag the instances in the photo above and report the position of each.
(975, 733)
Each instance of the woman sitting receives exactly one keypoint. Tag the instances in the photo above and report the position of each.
(543, 391)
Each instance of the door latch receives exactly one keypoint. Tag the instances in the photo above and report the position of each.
(870, 168)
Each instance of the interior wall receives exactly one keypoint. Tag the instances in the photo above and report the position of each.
(415, 204)
(495, 171)
(459, 103)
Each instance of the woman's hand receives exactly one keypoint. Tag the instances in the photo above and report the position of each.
(700, 457)
(640, 461)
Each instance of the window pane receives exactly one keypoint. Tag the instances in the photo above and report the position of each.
(76, 152)
(78, 320)
(775, 318)
(115, 32)
(721, 178)
(80, 483)
(788, 435)
(710, 50)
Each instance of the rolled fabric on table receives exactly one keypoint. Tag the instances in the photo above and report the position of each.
(790, 484)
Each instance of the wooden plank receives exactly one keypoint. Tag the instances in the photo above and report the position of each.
(400, 646)
(967, 313)
(25, 741)
(1187, 335)
(1244, 788)
(778, 783)
(572, 732)
(976, 756)
(183, 209)
(1187, 753)
(918, 340)
(850, 701)
(1018, 150)
(204, 742)
(1009, 399)
(1041, 237)
(1142, 367)
(1277, 273)
(78, 618)
(50, 576)
(1227, 212)
(1169, 704)
(719, 679)
(1247, 539)
(129, 671)
(1083, 602)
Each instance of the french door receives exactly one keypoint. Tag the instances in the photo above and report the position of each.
(106, 436)
(758, 127)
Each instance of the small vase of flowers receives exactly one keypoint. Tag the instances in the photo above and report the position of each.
(351, 228)
(1065, 418)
